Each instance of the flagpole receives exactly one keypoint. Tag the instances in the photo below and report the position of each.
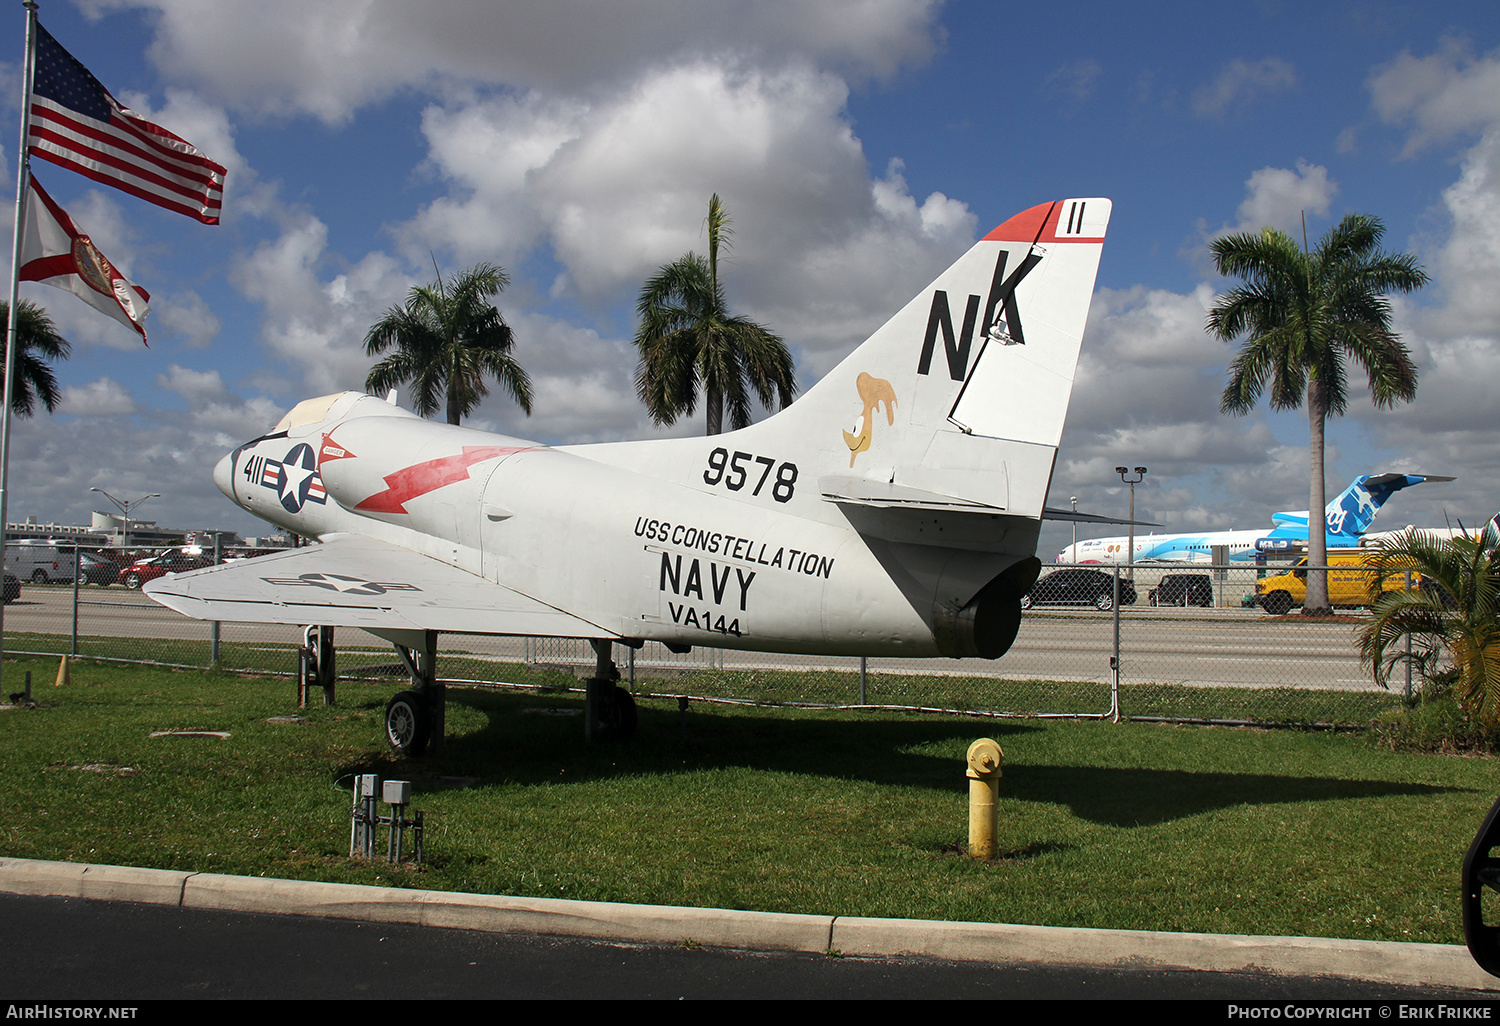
(23, 176)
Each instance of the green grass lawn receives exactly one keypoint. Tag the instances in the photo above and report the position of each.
(1130, 826)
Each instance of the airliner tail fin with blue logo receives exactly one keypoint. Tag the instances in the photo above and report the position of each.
(1350, 514)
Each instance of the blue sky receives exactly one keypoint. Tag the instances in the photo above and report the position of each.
(860, 147)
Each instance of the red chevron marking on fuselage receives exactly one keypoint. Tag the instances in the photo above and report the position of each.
(420, 478)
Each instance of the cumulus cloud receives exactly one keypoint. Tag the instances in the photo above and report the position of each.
(1240, 83)
(618, 186)
(315, 325)
(197, 387)
(1076, 78)
(330, 58)
(1148, 386)
(102, 398)
(1275, 197)
(1454, 336)
(186, 315)
(1439, 96)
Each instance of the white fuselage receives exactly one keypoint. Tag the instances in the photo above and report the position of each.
(666, 557)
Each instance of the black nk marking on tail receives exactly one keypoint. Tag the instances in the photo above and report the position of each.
(1002, 296)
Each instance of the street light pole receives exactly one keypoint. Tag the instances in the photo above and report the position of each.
(1074, 500)
(125, 507)
(1140, 475)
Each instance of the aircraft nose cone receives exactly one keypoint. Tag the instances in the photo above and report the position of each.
(224, 475)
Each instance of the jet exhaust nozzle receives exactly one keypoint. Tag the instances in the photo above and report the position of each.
(986, 626)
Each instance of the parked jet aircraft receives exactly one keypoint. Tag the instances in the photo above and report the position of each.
(1439, 533)
(1348, 517)
(912, 534)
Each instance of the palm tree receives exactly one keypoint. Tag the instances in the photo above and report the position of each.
(1301, 314)
(447, 339)
(689, 341)
(1454, 616)
(39, 342)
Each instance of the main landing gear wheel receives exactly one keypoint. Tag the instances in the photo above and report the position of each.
(407, 723)
(614, 714)
(624, 725)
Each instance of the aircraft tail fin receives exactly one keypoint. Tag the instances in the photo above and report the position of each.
(1350, 513)
(1355, 508)
(958, 401)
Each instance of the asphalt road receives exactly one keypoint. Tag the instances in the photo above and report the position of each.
(122, 953)
(1236, 647)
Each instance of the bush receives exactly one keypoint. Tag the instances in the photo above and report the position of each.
(1434, 724)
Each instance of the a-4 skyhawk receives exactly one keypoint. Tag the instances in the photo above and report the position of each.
(891, 510)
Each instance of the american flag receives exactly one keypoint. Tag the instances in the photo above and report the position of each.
(75, 122)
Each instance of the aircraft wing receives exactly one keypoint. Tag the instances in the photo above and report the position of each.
(353, 581)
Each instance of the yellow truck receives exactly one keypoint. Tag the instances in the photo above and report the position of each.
(1352, 581)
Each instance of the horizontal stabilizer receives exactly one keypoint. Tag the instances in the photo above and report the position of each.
(350, 581)
(1091, 518)
(858, 491)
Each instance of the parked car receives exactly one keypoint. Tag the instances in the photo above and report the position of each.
(1182, 590)
(171, 562)
(1078, 587)
(96, 569)
(12, 589)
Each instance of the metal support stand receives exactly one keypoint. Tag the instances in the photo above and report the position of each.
(316, 665)
(1114, 660)
(599, 691)
(77, 568)
(327, 664)
(213, 628)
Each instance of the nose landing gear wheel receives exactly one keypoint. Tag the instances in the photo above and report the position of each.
(407, 724)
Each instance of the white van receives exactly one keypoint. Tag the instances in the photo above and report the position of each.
(40, 560)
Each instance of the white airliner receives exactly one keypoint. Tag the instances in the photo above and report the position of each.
(1348, 517)
(893, 509)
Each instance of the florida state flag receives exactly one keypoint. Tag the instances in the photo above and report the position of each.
(56, 253)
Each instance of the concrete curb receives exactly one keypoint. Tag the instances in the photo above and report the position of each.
(1439, 965)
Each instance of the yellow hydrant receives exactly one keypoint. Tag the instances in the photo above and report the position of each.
(984, 789)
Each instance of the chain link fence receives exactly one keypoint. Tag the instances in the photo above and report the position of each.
(1194, 643)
